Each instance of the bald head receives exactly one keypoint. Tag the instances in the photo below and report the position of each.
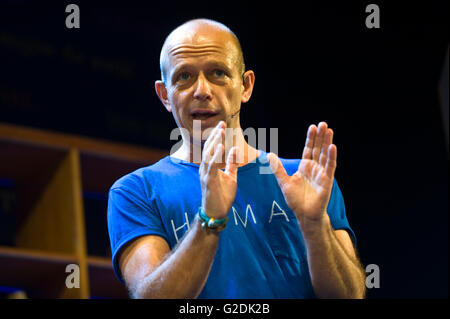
(195, 32)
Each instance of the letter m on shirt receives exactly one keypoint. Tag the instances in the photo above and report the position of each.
(236, 215)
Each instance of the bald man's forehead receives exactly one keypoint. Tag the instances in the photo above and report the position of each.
(200, 46)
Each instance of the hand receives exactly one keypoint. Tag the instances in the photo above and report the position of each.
(218, 187)
(308, 190)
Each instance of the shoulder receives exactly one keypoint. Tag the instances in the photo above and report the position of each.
(143, 175)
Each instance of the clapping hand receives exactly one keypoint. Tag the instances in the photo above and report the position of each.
(308, 190)
(218, 187)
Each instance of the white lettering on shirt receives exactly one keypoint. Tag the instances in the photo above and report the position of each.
(181, 227)
(249, 208)
(279, 211)
(276, 210)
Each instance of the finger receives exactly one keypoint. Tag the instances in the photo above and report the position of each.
(232, 165)
(330, 167)
(309, 144)
(327, 140)
(277, 168)
(318, 140)
(218, 139)
(213, 166)
(213, 133)
(208, 152)
(208, 148)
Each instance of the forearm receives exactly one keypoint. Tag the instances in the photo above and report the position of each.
(183, 274)
(334, 273)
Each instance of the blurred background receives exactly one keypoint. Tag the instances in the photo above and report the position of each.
(78, 110)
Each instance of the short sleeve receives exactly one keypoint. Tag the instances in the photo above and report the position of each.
(336, 211)
(129, 217)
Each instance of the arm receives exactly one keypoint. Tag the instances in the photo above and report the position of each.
(148, 266)
(335, 270)
(334, 267)
(151, 271)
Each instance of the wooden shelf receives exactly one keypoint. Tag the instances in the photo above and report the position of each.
(41, 274)
(51, 171)
(98, 147)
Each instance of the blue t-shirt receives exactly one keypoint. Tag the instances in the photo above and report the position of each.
(261, 252)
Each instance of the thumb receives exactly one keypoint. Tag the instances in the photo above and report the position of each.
(277, 168)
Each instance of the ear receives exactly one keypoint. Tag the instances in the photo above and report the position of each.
(248, 83)
(161, 91)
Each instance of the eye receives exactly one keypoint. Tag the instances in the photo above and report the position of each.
(219, 73)
(184, 76)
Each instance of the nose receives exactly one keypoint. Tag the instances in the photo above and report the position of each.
(202, 88)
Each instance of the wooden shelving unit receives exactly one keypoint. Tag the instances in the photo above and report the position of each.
(50, 172)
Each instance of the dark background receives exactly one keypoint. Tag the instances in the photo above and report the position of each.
(317, 61)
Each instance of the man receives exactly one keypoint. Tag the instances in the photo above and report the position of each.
(212, 225)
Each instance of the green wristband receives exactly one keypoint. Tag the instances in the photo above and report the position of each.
(210, 222)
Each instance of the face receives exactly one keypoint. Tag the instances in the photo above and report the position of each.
(203, 80)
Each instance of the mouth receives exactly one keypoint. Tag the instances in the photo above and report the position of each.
(202, 115)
